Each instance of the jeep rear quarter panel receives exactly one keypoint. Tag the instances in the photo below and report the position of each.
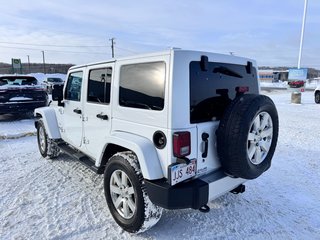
(139, 121)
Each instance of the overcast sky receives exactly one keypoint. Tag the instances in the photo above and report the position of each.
(78, 31)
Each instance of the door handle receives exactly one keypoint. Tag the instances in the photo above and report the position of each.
(103, 117)
(78, 111)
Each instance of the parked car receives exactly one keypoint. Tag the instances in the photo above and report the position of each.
(317, 95)
(173, 130)
(296, 84)
(50, 82)
(21, 94)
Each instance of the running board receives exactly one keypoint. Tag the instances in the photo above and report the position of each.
(84, 159)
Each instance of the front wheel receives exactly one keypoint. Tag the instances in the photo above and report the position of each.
(46, 146)
(126, 196)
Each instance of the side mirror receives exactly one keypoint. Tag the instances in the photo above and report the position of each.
(57, 94)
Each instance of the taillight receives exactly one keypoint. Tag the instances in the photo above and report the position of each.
(181, 144)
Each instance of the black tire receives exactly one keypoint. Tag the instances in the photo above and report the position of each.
(317, 97)
(46, 147)
(145, 214)
(247, 136)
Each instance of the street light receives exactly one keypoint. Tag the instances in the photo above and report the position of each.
(302, 31)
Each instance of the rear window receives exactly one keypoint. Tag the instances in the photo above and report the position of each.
(214, 86)
(18, 81)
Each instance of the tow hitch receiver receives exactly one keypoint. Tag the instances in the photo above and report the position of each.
(240, 189)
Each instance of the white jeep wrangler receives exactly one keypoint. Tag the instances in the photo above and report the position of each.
(173, 129)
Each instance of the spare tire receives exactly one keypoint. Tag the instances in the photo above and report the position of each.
(247, 136)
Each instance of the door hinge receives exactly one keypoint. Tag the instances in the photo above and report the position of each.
(85, 141)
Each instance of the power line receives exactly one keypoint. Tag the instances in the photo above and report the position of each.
(113, 46)
(51, 45)
(54, 45)
(37, 49)
(124, 49)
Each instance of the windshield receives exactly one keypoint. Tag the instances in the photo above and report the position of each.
(17, 81)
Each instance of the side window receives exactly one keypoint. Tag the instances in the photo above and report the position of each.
(142, 85)
(73, 89)
(99, 85)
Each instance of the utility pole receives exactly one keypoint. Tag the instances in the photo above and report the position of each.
(44, 63)
(112, 46)
(302, 31)
(28, 63)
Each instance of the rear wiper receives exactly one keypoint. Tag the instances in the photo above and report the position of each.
(227, 71)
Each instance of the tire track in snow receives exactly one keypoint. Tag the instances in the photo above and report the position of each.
(20, 193)
(81, 188)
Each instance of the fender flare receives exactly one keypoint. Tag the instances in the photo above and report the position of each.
(144, 149)
(50, 122)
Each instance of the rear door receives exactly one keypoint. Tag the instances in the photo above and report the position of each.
(97, 110)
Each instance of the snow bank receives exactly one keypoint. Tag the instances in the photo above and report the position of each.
(41, 76)
(15, 126)
(283, 85)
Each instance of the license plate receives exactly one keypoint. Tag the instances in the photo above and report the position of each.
(182, 171)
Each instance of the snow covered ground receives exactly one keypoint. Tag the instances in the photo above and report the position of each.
(62, 199)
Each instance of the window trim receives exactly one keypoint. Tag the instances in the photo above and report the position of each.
(66, 88)
(87, 90)
(164, 85)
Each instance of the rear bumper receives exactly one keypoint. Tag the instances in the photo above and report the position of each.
(191, 194)
(21, 107)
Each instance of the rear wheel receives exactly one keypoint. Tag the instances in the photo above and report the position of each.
(317, 97)
(126, 196)
(247, 136)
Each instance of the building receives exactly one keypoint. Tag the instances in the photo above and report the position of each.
(273, 75)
